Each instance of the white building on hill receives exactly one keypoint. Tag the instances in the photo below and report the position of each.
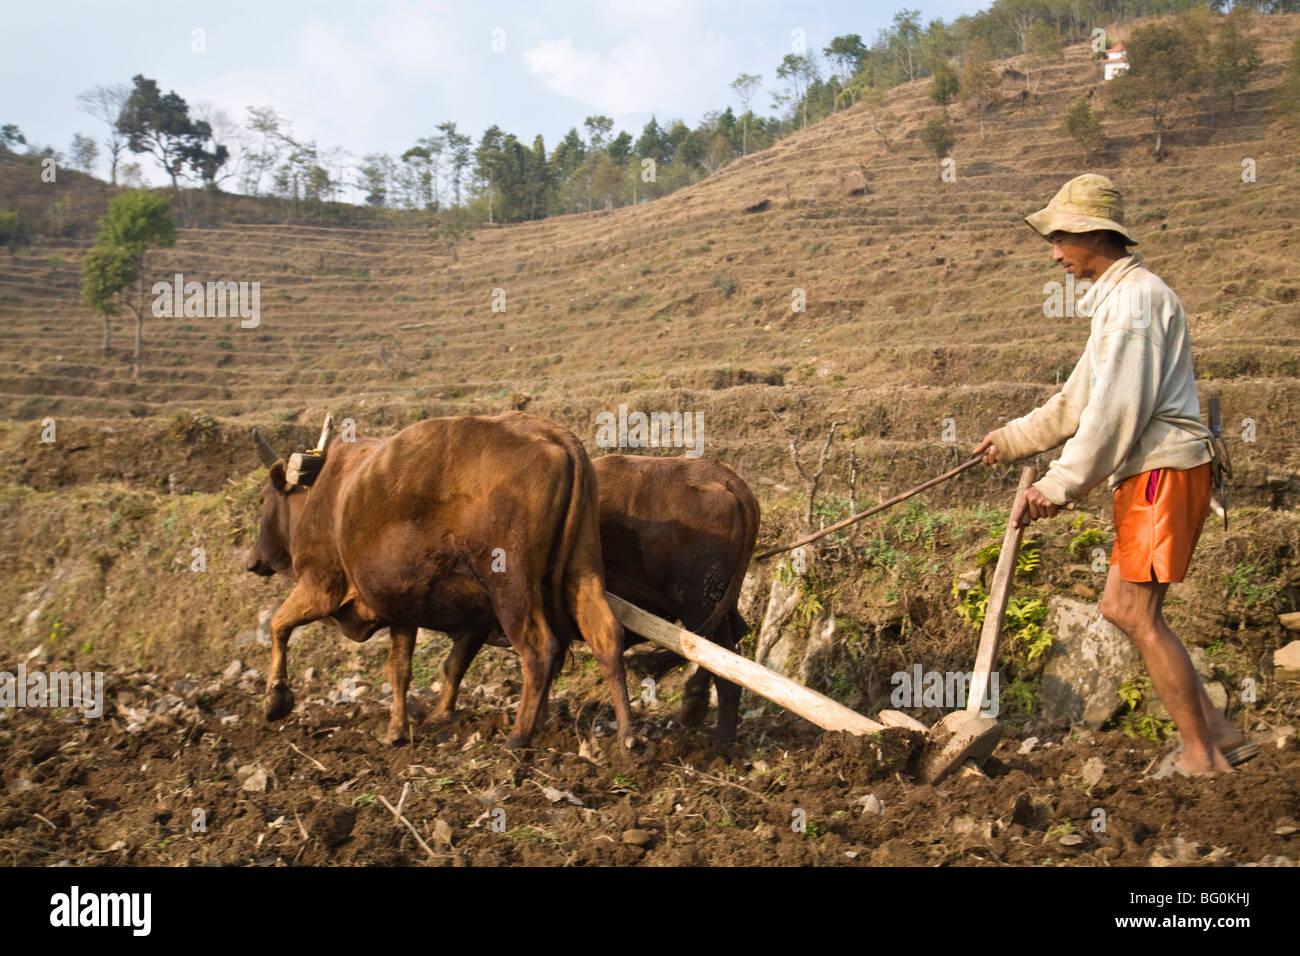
(1115, 63)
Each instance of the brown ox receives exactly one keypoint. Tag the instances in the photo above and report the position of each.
(453, 524)
(677, 535)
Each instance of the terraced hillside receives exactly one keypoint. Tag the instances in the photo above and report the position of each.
(123, 542)
(924, 299)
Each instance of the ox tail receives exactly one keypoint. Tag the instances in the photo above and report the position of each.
(749, 515)
(582, 495)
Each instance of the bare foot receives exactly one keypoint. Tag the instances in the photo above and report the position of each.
(1203, 764)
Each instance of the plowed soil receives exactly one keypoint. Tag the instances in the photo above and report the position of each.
(186, 772)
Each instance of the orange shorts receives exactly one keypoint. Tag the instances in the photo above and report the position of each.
(1158, 519)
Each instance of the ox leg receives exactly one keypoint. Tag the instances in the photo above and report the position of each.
(298, 609)
(463, 649)
(401, 645)
(604, 635)
(695, 697)
(732, 630)
(538, 647)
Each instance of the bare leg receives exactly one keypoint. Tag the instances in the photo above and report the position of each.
(401, 645)
(1135, 608)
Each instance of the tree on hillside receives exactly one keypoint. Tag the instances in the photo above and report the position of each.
(161, 126)
(944, 85)
(1233, 55)
(1018, 17)
(487, 162)
(457, 155)
(375, 171)
(652, 143)
(82, 153)
(105, 103)
(598, 130)
(620, 147)
(135, 222)
(717, 155)
(541, 182)
(425, 158)
(11, 136)
(845, 52)
(606, 179)
(937, 44)
(264, 123)
(938, 136)
(903, 42)
(1163, 69)
(979, 84)
(106, 272)
(1045, 47)
(798, 73)
(231, 134)
(746, 86)
(1081, 125)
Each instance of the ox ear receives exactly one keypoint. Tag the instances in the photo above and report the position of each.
(276, 474)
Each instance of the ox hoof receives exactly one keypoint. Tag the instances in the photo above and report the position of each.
(395, 738)
(515, 743)
(694, 708)
(279, 701)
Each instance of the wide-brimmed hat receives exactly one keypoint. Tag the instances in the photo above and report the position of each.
(1085, 204)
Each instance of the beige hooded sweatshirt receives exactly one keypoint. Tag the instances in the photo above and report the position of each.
(1130, 405)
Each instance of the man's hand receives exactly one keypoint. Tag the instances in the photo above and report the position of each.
(1036, 505)
(990, 450)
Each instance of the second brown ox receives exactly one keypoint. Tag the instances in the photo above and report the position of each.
(676, 535)
(453, 524)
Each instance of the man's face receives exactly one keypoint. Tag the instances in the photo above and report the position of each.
(1074, 251)
(1080, 253)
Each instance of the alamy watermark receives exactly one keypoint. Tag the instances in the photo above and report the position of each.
(651, 430)
(75, 908)
(1132, 300)
(947, 689)
(56, 689)
(215, 300)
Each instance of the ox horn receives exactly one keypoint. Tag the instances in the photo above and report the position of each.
(264, 449)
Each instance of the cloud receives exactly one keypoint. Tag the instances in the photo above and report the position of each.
(340, 81)
(667, 64)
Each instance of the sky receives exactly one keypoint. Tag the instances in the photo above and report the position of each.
(376, 76)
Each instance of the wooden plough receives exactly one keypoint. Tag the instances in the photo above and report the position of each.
(958, 740)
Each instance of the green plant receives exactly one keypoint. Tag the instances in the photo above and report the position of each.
(1137, 722)
(809, 608)
(1245, 584)
(973, 604)
(1028, 559)
(1085, 540)
(1023, 692)
(988, 553)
